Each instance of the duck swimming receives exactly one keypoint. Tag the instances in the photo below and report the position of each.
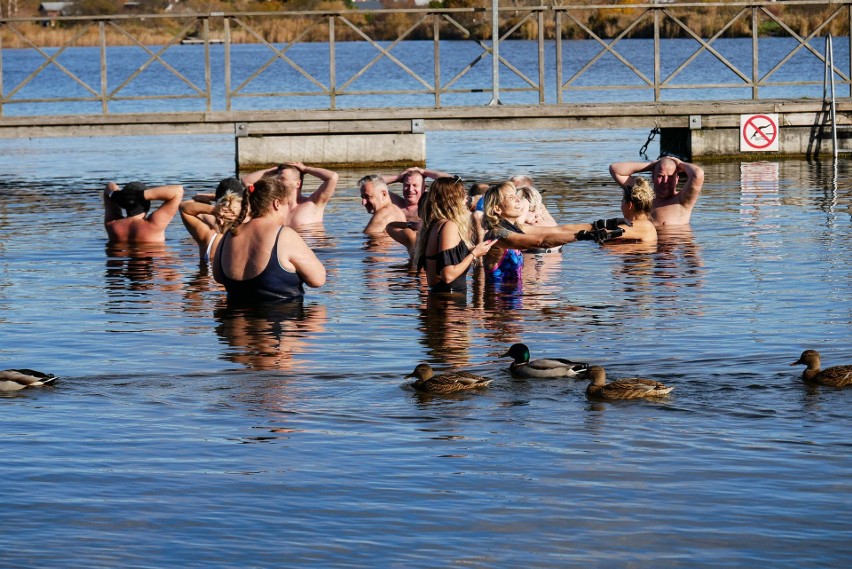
(631, 388)
(838, 376)
(15, 379)
(448, 382)
(546, 368)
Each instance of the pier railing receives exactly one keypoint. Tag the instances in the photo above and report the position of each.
(546, 54)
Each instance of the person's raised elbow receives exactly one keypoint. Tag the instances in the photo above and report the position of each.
(315, 278)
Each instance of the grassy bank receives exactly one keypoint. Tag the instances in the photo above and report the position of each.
(278, 27)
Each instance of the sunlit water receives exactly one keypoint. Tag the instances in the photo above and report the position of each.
(186, 434)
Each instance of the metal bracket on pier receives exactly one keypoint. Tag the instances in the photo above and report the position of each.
(241, 129)
(417, 126)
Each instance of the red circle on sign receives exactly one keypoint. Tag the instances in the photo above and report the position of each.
(759, 139)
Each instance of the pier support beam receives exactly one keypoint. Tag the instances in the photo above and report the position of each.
(332, 150)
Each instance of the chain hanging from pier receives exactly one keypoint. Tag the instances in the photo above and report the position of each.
(643, 152)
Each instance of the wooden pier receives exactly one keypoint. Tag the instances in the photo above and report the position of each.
(560, 96)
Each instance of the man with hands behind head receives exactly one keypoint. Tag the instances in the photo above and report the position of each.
(670, 207)
(304, 210)
(135, 200)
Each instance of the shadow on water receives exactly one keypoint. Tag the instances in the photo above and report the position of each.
(269, 337)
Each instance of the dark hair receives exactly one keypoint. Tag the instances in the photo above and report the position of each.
(258, 198)
(131, 199)
(228, 185)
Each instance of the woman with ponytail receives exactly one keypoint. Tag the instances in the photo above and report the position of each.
(260, 260)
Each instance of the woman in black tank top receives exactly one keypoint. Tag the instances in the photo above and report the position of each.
(445, 245)
(259, 260)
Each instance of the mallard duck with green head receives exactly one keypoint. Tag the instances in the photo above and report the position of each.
(16, 379)
(545, 368)
(838, 376)
(447, 382)
(628, 388)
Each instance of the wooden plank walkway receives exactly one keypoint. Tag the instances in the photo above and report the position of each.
(713, 114)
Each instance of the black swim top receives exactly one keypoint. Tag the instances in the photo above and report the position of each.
(273, 284)
(445, 258)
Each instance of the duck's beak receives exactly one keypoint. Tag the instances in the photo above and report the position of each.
(506, 355)
(795, 363)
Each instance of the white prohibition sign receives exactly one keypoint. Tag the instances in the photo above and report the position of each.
(758, 133)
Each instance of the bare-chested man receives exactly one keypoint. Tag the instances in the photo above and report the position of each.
(670, 207)
(413, 184)
(376, 199)
(135, 199)
(303, 210)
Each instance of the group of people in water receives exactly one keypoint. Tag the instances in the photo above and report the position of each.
(248, 230)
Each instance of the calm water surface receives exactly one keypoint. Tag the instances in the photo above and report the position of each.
(187, 434)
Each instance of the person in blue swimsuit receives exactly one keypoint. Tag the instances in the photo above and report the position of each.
(503, 209)
(445, 247)
(260, 260)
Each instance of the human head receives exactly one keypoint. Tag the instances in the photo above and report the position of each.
(445, 200)
(522, 180)
(228, 185)
(665, 177)
(637, 199)
(533, 196)
(374, 193)
(131, 199)
(227, 208)
(474, 193)
(259, 198)
(501, 201)
(412, 187)
(290, 178)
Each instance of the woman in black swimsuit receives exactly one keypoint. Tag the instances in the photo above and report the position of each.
(445, 241)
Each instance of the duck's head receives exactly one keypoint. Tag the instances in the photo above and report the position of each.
(518, 352)
(809, 358)
(596, 375)
(422, 372)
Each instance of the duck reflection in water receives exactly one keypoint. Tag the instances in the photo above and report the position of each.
(269, 336)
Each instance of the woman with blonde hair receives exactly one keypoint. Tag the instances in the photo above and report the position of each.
(504, 209)
(261, 260)
(636, 205)
(207, 220)
(445, 247)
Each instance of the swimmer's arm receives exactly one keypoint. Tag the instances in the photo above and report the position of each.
(692, 186)
(250, 179)
(329, 178)
(622, 172)
(189, 214)
(112, 210)
(402, 232)
(170, 196)
(309, 267)
(549, 237)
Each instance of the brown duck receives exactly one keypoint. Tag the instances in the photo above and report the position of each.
(838, 376)
(629, 388)
(448, 382)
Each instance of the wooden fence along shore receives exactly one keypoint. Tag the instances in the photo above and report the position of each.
(228, 94)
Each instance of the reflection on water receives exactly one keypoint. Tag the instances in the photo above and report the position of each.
(163, 383)
(269, 337)
(144, 267)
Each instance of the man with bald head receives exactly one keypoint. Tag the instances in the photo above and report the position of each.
(671, 206)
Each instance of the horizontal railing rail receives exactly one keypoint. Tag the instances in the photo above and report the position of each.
(546, 54)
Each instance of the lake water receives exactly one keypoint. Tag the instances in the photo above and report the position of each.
(185, 434)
